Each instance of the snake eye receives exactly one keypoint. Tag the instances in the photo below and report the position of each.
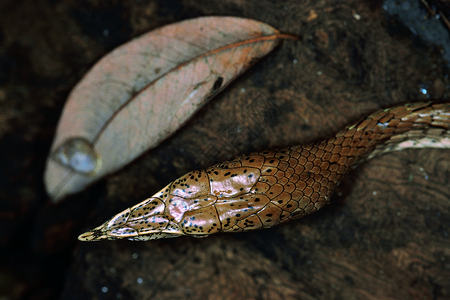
(78, 155)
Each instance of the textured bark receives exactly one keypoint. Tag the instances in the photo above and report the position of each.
(384, 235)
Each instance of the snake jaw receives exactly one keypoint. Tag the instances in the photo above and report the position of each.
(142, 233)
(144, 221)
(94, 235)
(89, 236)
(135, 229)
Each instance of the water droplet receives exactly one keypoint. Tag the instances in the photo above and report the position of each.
(140, 280)
(104, 289)
(78, 155)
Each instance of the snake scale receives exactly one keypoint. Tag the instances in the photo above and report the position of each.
(262, 189)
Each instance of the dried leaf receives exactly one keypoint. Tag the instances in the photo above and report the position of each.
(143, 91)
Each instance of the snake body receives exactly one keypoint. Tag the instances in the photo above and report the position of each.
(262, 189)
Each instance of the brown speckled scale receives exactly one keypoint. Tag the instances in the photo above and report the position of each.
(262, 189)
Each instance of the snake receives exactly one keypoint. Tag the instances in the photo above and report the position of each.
(262, 189)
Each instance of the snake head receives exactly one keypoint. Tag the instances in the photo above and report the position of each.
(142, 222)
(199, 203)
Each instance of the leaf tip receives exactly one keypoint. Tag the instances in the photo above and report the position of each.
(61, 181)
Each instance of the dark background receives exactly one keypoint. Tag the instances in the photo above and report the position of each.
(385, 235)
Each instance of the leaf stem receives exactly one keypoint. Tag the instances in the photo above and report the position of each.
(288, 36)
